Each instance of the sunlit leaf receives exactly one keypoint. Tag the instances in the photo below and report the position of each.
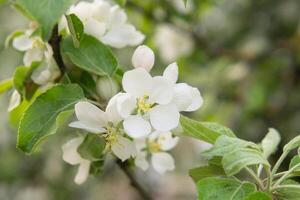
(76, 28)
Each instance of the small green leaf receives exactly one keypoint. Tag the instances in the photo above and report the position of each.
(76, 29)
(258, 196)
(92, 147)
(295, 161)
(294, 143)
(205, 171)
(225, 144)
(238, 159)
(223, 189)
(5, 85)
(45, 114)
(270, 142)
(92, 55)
(46, 12)
(206, 131)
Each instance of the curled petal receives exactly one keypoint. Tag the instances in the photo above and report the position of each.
(123, 148)
(137, 82)
(126, 105)
(22, 43)
(83, 172)
(14, 101)
(33, 55)
(70, 154)
(95, 28)
(197, 100)
(171, 73)
(164, 117)
(136, 126)
(89, 128)
(143, 57)
(162, 162)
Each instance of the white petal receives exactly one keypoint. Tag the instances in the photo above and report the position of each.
(101, 10)
(122, 35)
(94, 28)
(117, 16)
(137, 82)
(143, 57)
(197, 100)
(141, 161)
(162, 162)
(70, 154)
(140, 143)
(162, 91)
(83, 172)
(81, 125)
(171, 73)
(82, 10)
(14, 101)
(167, 141)
(123, 148)
(136, 126)
(33, 55)
(182, 96)
(126, 105)
(90, 115)
(164, 117)
(41, 75)
(111, 111)
(22, 43)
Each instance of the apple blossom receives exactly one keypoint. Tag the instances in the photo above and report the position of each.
(94, 120)
(106, 22)
(71, 156)
(143, 57)
(156, 144)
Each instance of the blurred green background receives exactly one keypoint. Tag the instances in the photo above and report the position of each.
(243, 55)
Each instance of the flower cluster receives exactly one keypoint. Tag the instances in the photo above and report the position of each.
(137, 122)
(106, 22)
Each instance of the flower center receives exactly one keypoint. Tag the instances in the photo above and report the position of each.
(142, 105)
(153, 146)
(37, 43)
(111, 134)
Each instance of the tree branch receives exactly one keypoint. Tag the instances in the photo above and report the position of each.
(143, 193)
(54, 41)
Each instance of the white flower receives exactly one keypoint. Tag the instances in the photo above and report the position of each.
(94, 120)
(14, 101)
(106, 22)
(37, 51)
(157, 143)
(143, 57)
(172, 42)
(71, 156)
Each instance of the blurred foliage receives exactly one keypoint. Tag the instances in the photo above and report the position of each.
(245, 59)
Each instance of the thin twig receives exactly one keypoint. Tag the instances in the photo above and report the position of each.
(54, 41)
(124, 167)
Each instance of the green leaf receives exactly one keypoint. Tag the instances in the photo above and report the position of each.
(295, 161)
(235, 161)
(92, 147)
(258, 196)
(5, 85)
(225, 144)
(294, 143)
(92, 55)
(121, 2)
(46, 12)
(270, 142)
(206, 131)
(76, 29)
(205, 171)
(45, 114)
(97, 167)
(86, 82)
(223, 189)
(288, 193)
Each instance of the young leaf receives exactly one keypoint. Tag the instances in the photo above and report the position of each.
(258, 196)
(288, 193)
(225, 144)
(76, 28)
(200, 173)
(46, 12)
(45, 114)
(206, 131)
(235, 161)
(92, 55)
(295, 161)
(5, 85)
(294, 143)
(92, 147)
(270, 142)
(97, 167)
(223, 189)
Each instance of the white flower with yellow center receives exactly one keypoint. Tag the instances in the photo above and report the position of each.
(71, 156)
(94, 120)
(37, 51)
(156, 145)
(106, 22)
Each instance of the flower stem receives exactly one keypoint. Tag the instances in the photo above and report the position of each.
(286, 175)
(143, 193)
(278, 163)
(253, 175)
